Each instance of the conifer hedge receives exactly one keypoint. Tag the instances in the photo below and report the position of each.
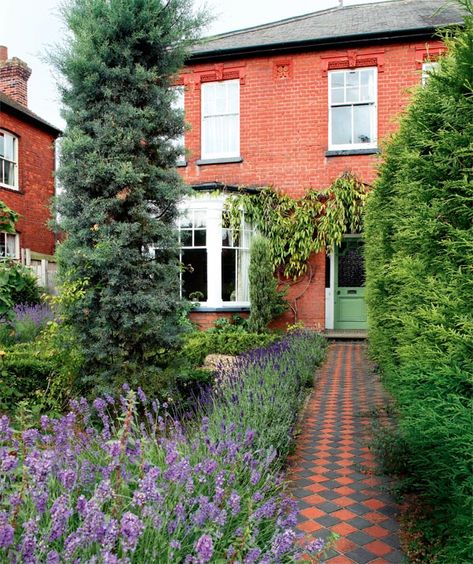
(419, 254)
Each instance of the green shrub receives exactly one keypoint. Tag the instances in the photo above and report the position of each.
(199, 344)
(419, 255)
(18, 285)
(266, 301)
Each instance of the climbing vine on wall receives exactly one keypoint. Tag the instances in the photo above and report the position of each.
(8, 218)
(298, 228)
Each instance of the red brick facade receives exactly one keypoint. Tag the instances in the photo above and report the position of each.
(284, 129)
(35, 182)
(31, 192)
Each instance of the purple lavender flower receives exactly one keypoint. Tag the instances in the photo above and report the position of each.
(131, 529)
(39, 314)
(316, 546)
(53, 557)
(60, 514)
(252, 556)
(6, 531)
(283, 543)
(204, 548)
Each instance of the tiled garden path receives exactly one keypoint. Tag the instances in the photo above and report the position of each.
(332, 469)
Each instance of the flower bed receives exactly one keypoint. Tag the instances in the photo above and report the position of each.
(105, 482)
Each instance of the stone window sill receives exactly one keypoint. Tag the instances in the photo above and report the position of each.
(226, 160)
(348, 152)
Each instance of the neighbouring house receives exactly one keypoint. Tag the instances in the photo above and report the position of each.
(293, 104)
(27, 163)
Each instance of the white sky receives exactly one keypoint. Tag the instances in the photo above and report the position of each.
(27, 27)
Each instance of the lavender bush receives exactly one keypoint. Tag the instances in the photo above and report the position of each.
(123, 481)
(27, 323)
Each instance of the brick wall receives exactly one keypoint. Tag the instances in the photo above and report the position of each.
(284, 128)
(36, 183)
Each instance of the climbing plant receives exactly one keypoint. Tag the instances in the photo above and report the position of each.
(298, 228)
(8, 219)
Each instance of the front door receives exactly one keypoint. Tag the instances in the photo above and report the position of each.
(349, 298)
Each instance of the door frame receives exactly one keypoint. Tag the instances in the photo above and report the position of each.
(330, 292)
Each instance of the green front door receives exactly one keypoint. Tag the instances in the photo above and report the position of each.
(349, 299)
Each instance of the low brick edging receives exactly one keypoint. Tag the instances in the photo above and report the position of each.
(332, 472)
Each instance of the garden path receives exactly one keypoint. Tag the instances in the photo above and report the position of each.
(333, 471)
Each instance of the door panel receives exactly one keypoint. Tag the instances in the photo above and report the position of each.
(350, 305)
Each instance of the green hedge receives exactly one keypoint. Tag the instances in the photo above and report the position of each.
(419, 254)
(199, 344)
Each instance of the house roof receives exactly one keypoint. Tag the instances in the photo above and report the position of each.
(27, 114)
(346, 24)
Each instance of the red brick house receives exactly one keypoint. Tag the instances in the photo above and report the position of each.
(27, 162)
(293, 104)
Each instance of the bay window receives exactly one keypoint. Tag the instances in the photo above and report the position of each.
(214, 258)
(221, 119)
(8, 160)
(352, 109)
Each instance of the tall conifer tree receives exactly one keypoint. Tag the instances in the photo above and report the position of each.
(121, 189)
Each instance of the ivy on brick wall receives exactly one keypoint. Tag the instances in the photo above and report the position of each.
(298, 228)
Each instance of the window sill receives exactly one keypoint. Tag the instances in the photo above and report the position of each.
(221, 309)
(225, 160)
(181, 165)
(11, 189)
(348, 152)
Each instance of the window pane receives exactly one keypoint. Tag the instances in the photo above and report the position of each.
(367, 78)
(353, 94)
(341, 126)
(362, 124)
(200, 238)
(233, 96)
(200, 218)
(352, 78)
(338, 79)
(2, 245)
(11, 246)
(243, 261)
(186, 221)
(9, 173)
(338, 95)
(186, 237)
(194, 275)
(9, 147)
(221, 135)
(229, 275)
(2, 145)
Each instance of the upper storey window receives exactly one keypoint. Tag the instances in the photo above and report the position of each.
(178, 104)
(352, 109)
(221, 119)
(8, 160)
(428, 67)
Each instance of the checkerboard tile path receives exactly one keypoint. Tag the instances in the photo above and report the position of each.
(331, 472)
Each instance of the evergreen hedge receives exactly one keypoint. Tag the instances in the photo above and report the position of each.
(419, 255)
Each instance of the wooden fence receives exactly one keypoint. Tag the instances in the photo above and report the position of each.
(43, 266)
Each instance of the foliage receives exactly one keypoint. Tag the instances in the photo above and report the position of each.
(266, 301)
(229, 340)
(298, 228)
(150, 491)
(419, 254)
(26, 325)
(18, 285)
(8, 219)
(120, 186)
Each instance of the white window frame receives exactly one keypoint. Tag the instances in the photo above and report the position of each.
(178, 103)
(347, 146)
(15, 162)
(213, 206)
(428, 67)
(5, 236)
(219, 154)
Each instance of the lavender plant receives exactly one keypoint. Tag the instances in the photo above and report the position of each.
(123, 481)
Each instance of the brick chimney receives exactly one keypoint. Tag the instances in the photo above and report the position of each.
(14, 75)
